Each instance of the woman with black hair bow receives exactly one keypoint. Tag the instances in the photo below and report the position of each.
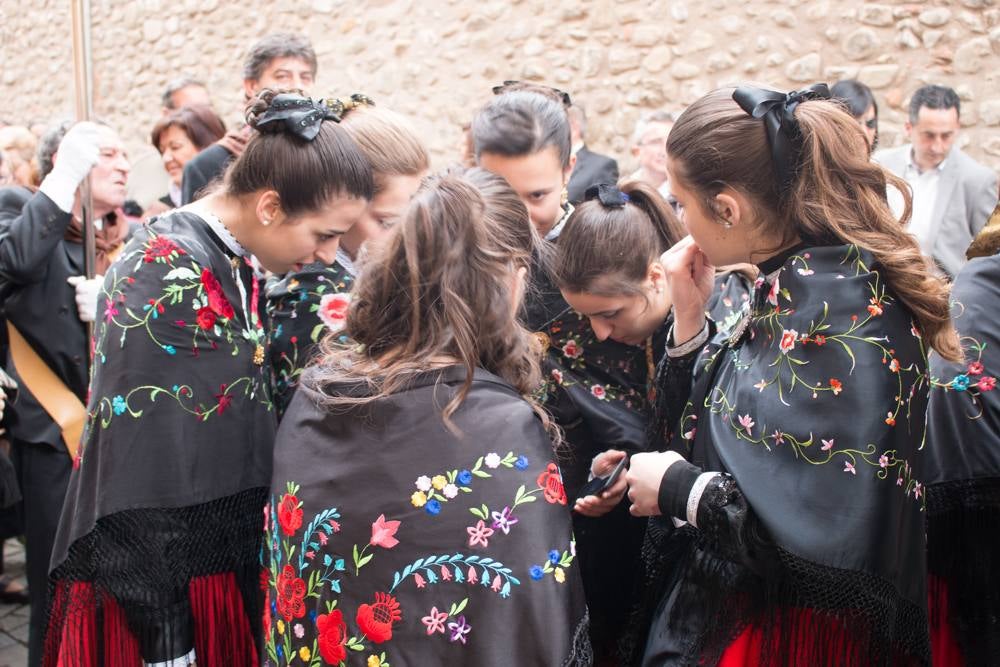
(788, 507)
(157, 555)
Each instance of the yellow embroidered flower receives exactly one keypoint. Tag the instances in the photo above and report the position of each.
(281, 627)
(560, 575)
(373, 661)
(418, 499)
(438, 482)
(305, 654)
(258, 355)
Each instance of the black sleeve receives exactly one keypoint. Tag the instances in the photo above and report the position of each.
(674, 379)
(722, 515)
(33, 225)
(201, 170)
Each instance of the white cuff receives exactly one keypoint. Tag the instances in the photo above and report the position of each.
(60, 188)
(694, 497)
(688, 347)
(182, 661)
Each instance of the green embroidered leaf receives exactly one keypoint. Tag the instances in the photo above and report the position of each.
(461, 605)
(317, 330)
(477, 512)
(364, 561)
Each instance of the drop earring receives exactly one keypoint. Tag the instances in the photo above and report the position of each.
(564, 199)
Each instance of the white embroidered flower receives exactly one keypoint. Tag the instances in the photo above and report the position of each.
(424, 483)
(450, 491)
(492, 460)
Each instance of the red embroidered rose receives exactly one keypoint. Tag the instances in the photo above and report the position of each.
(788, 338)
(571, 349)
(161, 249)
(551, 484)
(332, 636)
(375, 620)
(289, 514)
(217, 300)
(987, 383)
(333, 310)
(291, 594)
(598, 391)
(206, 318)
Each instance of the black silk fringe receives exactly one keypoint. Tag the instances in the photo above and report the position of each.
(804, 613)
(963, 548)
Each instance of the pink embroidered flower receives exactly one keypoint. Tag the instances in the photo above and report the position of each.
(571, 349)
(333, 310)
(894, 365)
(299, 631)
(383, 533)
(747, 422)
(434, 621)
(110, 311)
(690, 434)
(976, 368)
(496, 584)
(820, 339)
(472, 577)
(849, 467)
(883, 461)
(806, 272)
(788, 338)
(597, 391)
(445, 574)
(557, 375)
(778, 438)
(987, 383)
(479, 534)
(918, 490)
(772, 295)
(875, 307)
(419, 580)
(827, 445)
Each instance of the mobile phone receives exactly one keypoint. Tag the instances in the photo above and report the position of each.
(598, 484)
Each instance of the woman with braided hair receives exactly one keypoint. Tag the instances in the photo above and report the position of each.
(787, 506)
(305, 306)
(157, 555)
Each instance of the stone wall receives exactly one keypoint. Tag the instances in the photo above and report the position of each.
(436, 60)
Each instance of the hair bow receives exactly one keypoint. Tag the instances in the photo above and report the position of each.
(296, 115)
(783, 132)
(339, 107)
(609, 195)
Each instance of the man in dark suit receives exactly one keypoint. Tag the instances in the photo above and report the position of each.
(281, 61)
(48, 302)
(591, 168)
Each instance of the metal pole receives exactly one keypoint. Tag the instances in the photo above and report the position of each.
(83, 77)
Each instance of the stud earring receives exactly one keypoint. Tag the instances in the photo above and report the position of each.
(265, 222)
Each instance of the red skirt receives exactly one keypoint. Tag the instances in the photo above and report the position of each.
(222, 633)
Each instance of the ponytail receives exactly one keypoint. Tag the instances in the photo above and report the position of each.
(612, 238)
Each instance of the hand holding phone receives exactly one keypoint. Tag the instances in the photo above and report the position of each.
(601, 494)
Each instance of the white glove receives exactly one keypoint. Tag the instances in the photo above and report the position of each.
(86, 295)
(78, 152)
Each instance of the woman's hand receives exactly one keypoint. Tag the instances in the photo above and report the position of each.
(644, 476)
(691, 278)
(608, 499)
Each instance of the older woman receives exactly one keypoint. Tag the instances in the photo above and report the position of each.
(179, 136)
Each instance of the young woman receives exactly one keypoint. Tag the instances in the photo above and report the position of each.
(595, 389)
(963, 487)
(157, 555)
(417, 516)
(180, 136)
(795, 471)
(307, 304)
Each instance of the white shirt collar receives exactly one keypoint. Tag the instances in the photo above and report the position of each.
(345, 261)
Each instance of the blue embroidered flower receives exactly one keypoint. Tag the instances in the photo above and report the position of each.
(169, 349)
(176, 388)
(537, 572)
(433, 507)
(554, 557)
(960, 383)
(464, 477)
(119, 405)
(521, 463)
(312, 614)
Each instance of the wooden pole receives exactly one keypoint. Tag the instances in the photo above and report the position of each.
(83, 78)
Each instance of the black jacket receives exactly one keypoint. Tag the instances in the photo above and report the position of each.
(591, 169)
(202, 169)
(35, 262)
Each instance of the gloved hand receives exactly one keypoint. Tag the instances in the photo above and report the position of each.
(78, 152)
(86, 296)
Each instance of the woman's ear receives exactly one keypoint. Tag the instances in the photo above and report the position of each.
(728, 207)
(656, 275)
(268, 208)
(568, 171)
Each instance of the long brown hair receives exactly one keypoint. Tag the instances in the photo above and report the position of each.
(440, 288)
(838, 197)
(607, 250)
(389, 142)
